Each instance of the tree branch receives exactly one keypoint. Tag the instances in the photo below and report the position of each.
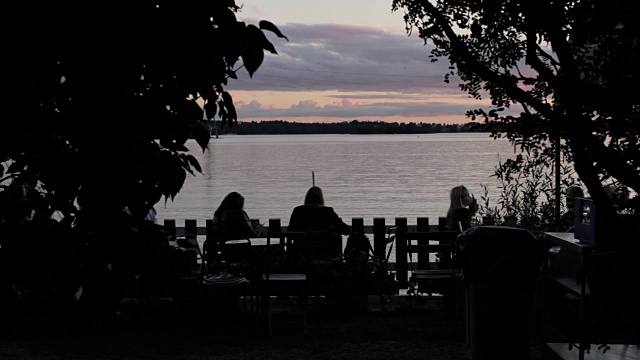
(460, 54)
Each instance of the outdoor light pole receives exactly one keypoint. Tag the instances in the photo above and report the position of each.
(556, 141)
(557, 173)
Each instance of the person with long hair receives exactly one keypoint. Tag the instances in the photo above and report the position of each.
(230, 219)
(462, 208)
(314, 215)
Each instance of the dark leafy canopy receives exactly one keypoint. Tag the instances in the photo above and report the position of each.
(570, 66)
(92, 86)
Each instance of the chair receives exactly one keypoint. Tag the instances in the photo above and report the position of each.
(390, 239)
(289, 277)
(231, 268)
(439, 277)
(189, 245)
(175, 276)
(392, 233)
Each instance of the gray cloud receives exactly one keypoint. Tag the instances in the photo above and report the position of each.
(327, 57)
(371, 74)
(375, 96)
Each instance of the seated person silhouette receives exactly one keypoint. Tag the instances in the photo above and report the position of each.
(315, 216)
(567, 219)
(462, 208)
(231, 221)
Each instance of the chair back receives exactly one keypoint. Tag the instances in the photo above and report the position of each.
(303, 247)
(390, 239)
(423, 244)
(229, 255)
(191, 249)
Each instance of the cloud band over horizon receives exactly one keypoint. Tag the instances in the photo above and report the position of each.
(337, 72)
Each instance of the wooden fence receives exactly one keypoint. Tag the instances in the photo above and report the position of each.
(378, 230)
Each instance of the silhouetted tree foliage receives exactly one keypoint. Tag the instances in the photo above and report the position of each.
(102, 99)
(142, 71)
(571, 66)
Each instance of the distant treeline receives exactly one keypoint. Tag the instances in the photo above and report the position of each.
(275, 127)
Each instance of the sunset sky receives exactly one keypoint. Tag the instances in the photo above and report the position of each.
(344, 60)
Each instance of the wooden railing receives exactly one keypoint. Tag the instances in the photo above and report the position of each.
(378, 230)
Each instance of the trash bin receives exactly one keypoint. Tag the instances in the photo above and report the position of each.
(500, 268)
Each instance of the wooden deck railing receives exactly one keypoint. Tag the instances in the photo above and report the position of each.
(378, 230)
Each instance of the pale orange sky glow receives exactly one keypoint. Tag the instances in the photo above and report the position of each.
(316, 106)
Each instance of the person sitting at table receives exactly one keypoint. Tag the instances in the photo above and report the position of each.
(462, 208)
(568, 219)
(231, 221)
(313, 215)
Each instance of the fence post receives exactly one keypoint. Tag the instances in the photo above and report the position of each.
(209, 230)
(357, 225)
(274, 227)
(191, 227)
(423, 226)
(379, 238)
(402, 269)
(442, 224)
(170, 226)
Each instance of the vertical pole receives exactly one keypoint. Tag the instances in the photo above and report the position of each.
(379, 239)
(557, 176)
(208, 230)
(423, 259)
(275, 227)
(402, 268)
(170, 226)
(209, 248)
(357, 226)
(191, 227)
(442, 223)
(422, 224)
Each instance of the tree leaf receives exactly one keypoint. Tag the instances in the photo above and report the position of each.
(186, 165)
(194, 162)
(225, 18)
(231, 110)
(226, 98)
(201, 135)
(256, 36)
(267, 25)
(252, 56)
(176, 182)
(210, 109)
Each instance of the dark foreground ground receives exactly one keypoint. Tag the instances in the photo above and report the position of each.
(403, 329)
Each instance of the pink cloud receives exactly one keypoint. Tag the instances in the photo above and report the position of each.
(305, 104)
(346, 103)
(252, 105)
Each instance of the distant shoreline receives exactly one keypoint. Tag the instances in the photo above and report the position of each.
(355, 127)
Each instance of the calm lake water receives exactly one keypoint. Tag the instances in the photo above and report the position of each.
(361, 175)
